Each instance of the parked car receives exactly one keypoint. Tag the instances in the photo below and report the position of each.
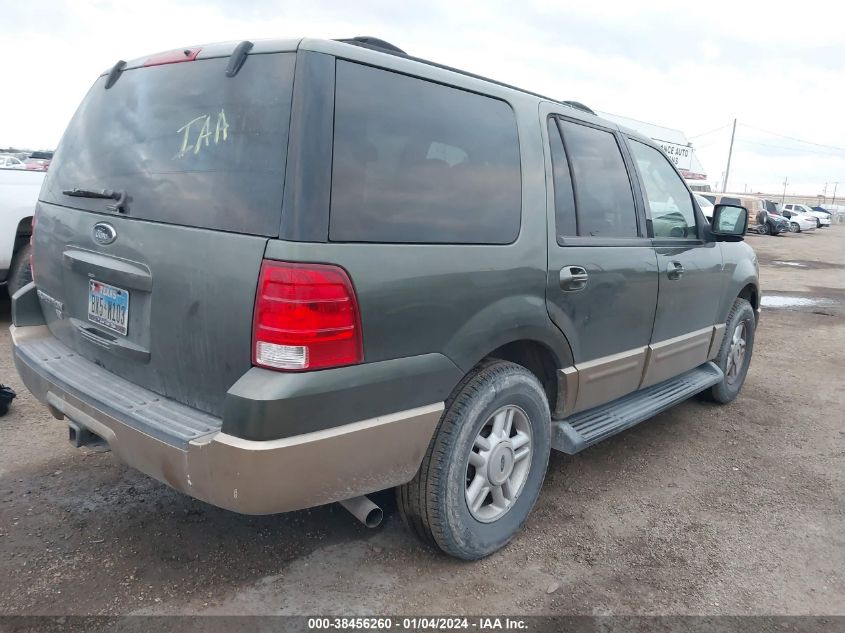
(825, 212)
(11, 162)
(775, 216)
(705, 205)
(800, 222)
(402, 281)
(822, 218)
(18, 195)
(36, 164)
(760, 220)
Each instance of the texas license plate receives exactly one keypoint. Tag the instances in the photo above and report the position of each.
(108, 306)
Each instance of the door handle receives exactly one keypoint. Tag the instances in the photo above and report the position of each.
(675, 270)
(573, 278)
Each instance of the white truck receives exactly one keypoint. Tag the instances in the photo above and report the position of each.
(18, 194)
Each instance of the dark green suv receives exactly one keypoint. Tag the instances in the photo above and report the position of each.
(281, 274)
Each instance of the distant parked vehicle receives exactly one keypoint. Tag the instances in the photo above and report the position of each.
(11, 162)
(759, 219)
(705, 205)
(800, 222)
(18, 196)
(822, 217)
(36, 164)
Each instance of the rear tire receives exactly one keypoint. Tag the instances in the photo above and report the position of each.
(794, 228)
(735, 352)
(20, 272)
(494, 436)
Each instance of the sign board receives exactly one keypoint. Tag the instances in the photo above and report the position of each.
(681, 155)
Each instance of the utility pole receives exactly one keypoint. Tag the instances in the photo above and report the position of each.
(730, 151)
(785, 182)
(824, 195)
(834, 194)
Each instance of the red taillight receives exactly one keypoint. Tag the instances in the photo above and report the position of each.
(306, 317)
(173, 57)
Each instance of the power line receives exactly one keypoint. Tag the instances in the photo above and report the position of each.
(718, 129)
(792, 138)
(793, 149)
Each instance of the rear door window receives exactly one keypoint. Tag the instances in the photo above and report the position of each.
(565, 218)
(604, 200)
(187, 144)
(420, 162)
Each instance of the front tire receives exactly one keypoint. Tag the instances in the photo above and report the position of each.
(485, 465)
(735, 352)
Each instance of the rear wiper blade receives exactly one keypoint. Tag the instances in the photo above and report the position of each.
(105, 194)
(90, 193)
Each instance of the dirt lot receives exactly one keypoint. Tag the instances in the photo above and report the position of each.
(702, 510)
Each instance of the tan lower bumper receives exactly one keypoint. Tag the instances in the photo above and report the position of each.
(261, 477)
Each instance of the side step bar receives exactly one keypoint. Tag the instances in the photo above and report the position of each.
(586, 428)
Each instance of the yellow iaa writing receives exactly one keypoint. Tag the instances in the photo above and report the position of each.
(199, 132)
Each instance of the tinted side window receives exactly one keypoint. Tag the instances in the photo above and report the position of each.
(416, 161)
(603, 196)
(564, 198)
(669, 201)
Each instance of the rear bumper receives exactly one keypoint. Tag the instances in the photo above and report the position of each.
(246, 476)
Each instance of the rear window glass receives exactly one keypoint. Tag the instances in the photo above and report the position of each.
(416, 161)
(187, 144)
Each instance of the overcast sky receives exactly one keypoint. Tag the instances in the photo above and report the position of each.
(687, 65)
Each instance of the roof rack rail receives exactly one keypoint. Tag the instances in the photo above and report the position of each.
(374, 43)
(579, 106)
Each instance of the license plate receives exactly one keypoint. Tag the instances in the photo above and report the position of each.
(108, 306)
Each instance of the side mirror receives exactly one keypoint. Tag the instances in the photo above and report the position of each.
(730, 222)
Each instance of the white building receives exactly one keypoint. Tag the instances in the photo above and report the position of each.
(674, 143)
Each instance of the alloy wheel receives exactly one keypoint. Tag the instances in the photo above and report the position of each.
(498, 464)
(736, 353)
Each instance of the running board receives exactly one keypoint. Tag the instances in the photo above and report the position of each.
(586, 428)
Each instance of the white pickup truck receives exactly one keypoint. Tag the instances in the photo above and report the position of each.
(18, 194)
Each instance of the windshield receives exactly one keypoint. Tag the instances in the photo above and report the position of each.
(187, 144)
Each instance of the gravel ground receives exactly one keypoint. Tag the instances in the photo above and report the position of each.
(702, 510)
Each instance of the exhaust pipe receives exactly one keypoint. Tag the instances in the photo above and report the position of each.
(364, 510)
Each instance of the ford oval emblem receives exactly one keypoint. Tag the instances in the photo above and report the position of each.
(104, 233)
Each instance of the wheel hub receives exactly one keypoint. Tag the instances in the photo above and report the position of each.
(500, 464)
(736, 353)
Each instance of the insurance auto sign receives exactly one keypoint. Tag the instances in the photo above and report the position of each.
(681, 155)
